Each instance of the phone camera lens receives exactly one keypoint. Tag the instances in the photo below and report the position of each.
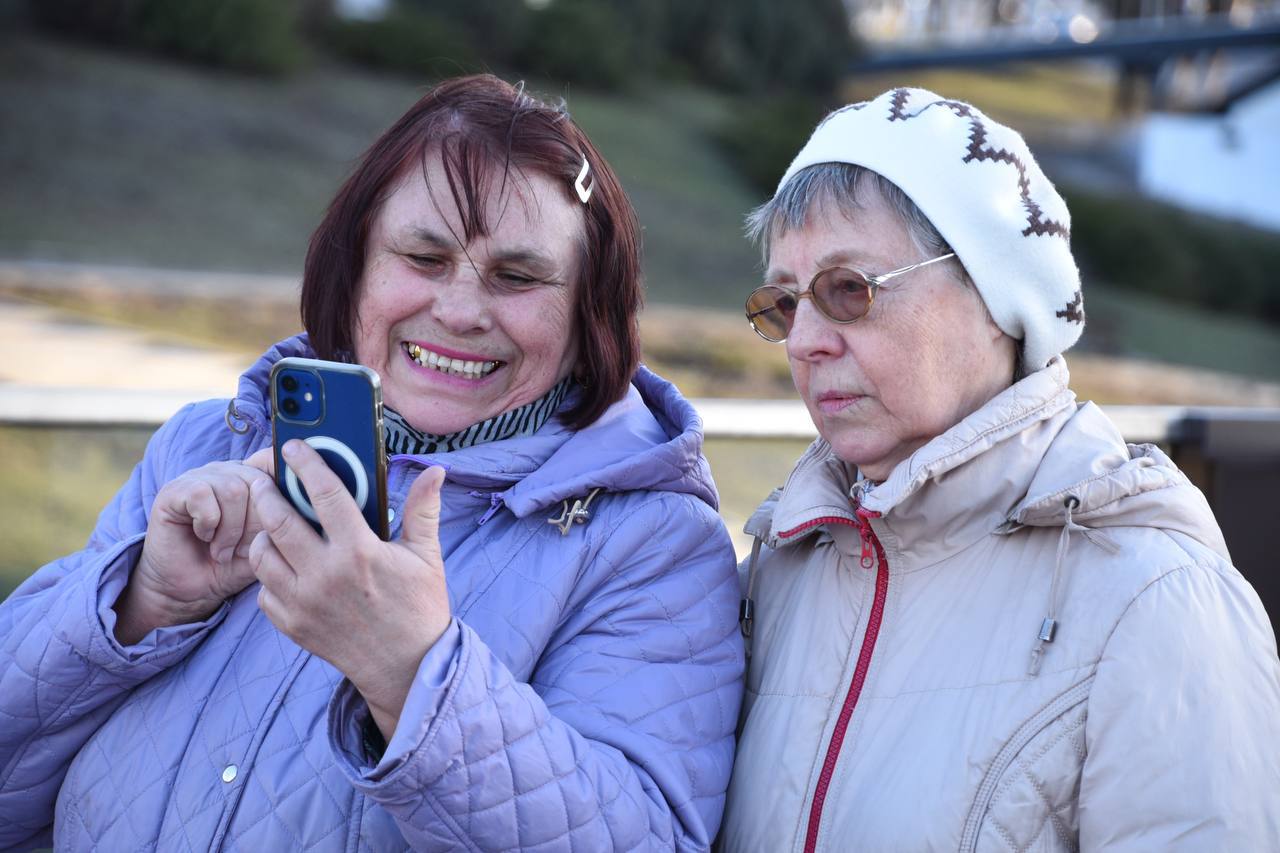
(290, 405)
(289, 383)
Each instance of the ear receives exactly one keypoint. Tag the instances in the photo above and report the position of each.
(1012, 355)
(995, 333)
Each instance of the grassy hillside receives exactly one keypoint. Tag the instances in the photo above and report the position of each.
(117, 159)
(125, 160)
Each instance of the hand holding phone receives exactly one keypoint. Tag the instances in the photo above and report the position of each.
(336, 408)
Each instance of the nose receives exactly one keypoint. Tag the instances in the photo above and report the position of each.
(462, 304)
(812, 336)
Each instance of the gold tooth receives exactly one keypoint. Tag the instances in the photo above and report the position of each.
(485, 367)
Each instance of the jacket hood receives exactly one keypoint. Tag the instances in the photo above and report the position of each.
(1012, 463)
(1116, 484)
(651, 439)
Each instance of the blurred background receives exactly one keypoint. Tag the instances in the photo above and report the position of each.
(163, 162)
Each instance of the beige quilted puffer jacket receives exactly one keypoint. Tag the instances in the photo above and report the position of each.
(1030, 637)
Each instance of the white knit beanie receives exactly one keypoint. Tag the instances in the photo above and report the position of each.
(976, 181)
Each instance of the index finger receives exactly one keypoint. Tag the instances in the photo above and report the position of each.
(329, 497)
(264, 460)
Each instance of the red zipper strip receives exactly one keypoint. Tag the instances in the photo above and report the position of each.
(859, 674)
(812, 523)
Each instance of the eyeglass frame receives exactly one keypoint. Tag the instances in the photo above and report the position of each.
(873, 283)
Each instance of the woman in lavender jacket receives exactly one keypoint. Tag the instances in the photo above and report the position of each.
(209, 673)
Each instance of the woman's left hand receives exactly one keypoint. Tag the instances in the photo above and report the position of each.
(370, 608)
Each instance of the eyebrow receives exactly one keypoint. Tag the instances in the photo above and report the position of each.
(777, 276)
(841, 257)
(837, 258)
(524, 256)
(435, 238)
(519, 255)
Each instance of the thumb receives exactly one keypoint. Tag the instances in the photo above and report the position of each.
(422, 512)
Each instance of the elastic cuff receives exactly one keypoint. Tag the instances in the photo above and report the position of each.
(160, 643)
(423, 702)
(349, 714)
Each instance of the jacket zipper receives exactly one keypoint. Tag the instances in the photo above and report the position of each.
(869, 541)
(812, 523)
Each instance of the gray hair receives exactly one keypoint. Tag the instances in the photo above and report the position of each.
(845, 185)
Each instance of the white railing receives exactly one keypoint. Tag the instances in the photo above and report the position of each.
(723, 418)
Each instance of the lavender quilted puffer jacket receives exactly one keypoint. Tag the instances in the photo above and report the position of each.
(584, 698)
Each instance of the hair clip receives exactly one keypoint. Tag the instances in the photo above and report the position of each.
(584, 192)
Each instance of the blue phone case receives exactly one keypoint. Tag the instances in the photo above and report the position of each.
(337, 409)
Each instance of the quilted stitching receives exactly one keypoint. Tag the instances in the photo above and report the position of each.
(1034, 807)
(497, 775)
(621, 738)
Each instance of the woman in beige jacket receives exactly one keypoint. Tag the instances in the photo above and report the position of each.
(978, 620)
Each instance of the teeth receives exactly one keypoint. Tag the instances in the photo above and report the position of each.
(451, 366)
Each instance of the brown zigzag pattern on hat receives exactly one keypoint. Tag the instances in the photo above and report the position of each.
(846, 108)
(1036, 222)
(1074, 312)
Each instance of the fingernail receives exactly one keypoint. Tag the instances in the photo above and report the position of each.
(243, 552)
(290, 447)
(224, 555)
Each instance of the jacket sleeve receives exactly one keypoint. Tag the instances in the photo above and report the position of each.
(1183, 727)
(62, 673)
(623, 740)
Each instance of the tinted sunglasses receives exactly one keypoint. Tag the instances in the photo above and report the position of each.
(841, 294)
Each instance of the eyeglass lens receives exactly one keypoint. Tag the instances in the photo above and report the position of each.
(842, 295)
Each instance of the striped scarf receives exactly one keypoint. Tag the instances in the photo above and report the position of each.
(523, 420)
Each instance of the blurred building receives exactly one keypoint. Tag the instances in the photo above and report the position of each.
(1224, 161)
(915, 23)
(1197, 84)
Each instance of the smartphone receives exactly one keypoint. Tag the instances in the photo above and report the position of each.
(337, 409)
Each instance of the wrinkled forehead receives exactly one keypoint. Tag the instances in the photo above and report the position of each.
(476, 197)
(479, 194)
(481, 206)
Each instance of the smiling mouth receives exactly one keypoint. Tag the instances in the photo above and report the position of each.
(451, 366)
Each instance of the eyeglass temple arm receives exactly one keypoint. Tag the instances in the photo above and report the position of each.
(883, 277)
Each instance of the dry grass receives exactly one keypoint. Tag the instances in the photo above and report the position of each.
(706, 353)
(55, 482)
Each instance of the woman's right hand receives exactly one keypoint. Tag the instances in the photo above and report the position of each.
(196, 553)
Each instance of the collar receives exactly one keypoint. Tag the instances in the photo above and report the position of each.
(956, 489)
(403, 438)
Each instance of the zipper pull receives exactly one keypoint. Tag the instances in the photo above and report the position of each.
(868, 536)
(495, 503)
(868, 557)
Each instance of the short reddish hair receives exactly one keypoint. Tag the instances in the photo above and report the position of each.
(483, 128)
